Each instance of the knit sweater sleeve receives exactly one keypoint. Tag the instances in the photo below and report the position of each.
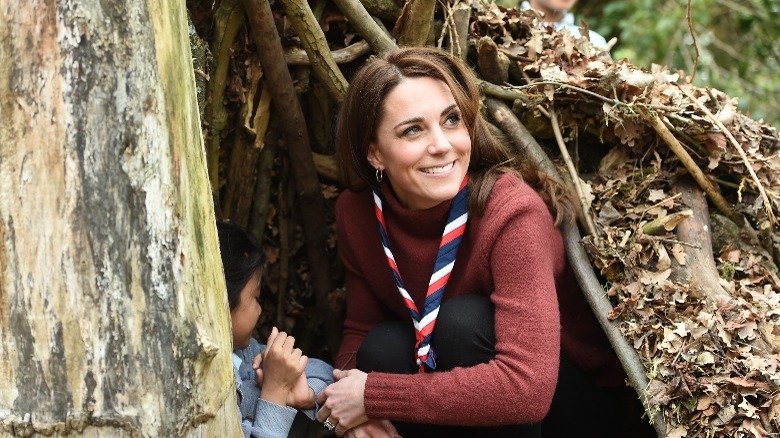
(517, 386)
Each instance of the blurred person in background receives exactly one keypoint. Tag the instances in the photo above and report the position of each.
(556, 13)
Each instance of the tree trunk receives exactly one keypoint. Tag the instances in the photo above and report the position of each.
(113, 317)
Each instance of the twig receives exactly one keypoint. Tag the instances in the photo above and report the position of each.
(314, 43)
(296, 137)
(359, 18)
(575, 177)
(570, 87)
(693, 36)
(716, 198)
(672, 241)
(580, 263)
(734, 185)
(767, 205)
(503, 93)
(663, 201)
(667, 223)
(446, 29)
(340, 56)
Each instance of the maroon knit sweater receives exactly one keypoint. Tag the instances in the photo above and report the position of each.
(514, 254)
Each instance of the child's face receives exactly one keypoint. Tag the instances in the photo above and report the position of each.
(243, 317)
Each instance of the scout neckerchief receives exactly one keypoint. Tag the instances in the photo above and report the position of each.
(445, 260)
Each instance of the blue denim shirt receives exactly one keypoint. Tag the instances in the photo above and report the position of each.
(261, 418)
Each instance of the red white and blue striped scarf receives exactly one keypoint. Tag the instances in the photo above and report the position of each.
(425, 321)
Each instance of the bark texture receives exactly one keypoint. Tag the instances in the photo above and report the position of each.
(113, 317)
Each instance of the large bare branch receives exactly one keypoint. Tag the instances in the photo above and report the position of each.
(580, 262)
(366, 26)
(308, 191)
(308, 30)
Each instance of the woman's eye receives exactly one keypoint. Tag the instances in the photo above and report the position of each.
(412, 130)
(257, 298)
(452, 119)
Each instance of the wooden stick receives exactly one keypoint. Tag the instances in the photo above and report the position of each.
(307, 185)
(493, 65)
(314, 43)
(229, 18)
(340, 56)
(262, 194)
(712, 193)
(416, 17)
(461, 14)
(285, 203)
(363, 22)
(575, 177)
(580, 263)
(767, 205)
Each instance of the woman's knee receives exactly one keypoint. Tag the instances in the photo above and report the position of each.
(389, 348)
(465, 334)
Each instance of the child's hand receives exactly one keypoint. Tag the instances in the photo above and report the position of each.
(301, 396)
(257, 365)
(282, 368)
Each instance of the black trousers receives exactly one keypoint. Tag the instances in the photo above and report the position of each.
(464, 336)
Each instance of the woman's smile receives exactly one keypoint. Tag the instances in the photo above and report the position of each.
(439, 170)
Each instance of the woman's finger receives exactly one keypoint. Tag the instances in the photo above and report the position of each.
(324, 412)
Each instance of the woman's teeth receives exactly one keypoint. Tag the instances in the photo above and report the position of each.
(440, 169)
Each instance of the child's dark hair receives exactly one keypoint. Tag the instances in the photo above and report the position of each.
(241, 258)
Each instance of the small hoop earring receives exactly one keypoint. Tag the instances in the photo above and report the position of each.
(379, 175)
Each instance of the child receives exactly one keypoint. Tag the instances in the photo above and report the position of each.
(276, 380)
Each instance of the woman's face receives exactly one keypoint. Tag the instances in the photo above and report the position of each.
(422, 144)
(243, 317)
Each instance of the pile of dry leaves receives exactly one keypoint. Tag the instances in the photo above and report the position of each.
(707, 331)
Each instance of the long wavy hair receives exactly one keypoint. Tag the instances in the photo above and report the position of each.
(363, 109)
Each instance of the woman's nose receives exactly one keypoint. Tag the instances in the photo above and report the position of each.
(439, 142)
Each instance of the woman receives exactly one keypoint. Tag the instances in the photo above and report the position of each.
(472, 349)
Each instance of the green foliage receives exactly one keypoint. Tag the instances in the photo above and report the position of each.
(737, 42)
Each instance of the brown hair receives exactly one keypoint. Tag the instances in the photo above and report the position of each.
(363, 109)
